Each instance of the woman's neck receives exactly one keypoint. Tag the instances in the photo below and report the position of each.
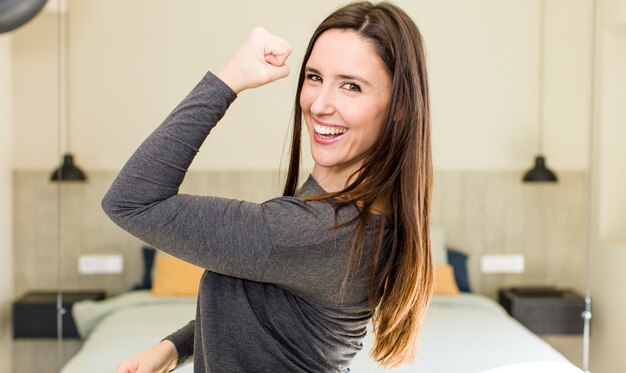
(331, 179)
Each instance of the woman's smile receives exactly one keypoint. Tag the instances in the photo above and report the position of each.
(326, 134)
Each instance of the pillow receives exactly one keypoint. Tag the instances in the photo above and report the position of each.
(147, 255)
(173, 276)
(444, 280)
(458, 261)
(438, 244)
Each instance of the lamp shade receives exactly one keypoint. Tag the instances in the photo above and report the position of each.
(68, 171)
(540, 173)
(15, 13)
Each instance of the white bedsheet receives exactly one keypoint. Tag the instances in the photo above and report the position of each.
(123, 326)
(464, 334)
(472, 333)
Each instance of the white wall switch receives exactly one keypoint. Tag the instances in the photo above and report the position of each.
(502, 263)
(100, 264)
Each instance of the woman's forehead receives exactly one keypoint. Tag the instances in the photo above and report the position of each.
(345, 52)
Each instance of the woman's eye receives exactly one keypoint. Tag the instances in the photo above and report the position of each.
(313, 77)
(352, 87)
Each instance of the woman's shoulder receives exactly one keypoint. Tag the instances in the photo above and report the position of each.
(297, 216)
(293, 220)
(299, 206)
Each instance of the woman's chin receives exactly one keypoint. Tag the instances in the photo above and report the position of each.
(333, 163)
(324, 163)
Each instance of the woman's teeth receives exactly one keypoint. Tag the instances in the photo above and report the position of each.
(325, 130)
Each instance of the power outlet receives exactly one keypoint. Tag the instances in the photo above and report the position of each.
(100, 264)
(502, 263)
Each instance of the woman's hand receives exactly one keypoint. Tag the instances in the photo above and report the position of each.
(260, 60)
(160, 358)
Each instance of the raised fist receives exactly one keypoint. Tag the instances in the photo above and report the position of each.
(260, 60)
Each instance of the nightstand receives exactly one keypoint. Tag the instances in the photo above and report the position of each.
(545, 310)
(35, 314)
(553, 314)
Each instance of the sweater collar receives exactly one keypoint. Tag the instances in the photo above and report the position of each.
(310, 187)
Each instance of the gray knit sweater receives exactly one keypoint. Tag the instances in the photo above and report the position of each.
(269, 298)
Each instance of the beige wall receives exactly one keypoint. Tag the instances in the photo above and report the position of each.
(488, 212)
(132, 62)
(614, 13)
(608, 255)
(6, 204)
(612, 198)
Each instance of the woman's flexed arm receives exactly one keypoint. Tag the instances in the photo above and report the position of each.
(144, 197)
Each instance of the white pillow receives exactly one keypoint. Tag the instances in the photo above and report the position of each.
(438, 242)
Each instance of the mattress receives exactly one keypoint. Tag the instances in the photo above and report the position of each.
(465, 334)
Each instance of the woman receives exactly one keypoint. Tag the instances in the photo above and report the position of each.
(292, 283)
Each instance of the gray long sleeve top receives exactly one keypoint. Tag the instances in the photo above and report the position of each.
(269, 300)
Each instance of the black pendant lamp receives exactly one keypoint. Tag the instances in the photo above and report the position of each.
(67, 171)
(540, 173)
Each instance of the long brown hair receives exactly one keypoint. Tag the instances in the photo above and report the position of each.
(397, 171)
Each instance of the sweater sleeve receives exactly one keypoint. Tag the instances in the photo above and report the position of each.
(183, 340)
(226, 236)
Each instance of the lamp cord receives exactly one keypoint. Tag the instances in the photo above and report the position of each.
(541, 67)
(67, 75)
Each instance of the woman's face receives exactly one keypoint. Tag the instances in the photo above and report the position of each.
(345, 98)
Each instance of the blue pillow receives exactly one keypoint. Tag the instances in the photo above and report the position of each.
(148, 262)
(458, 261)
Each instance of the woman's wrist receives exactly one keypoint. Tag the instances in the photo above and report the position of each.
(169, 350)
(230, 79)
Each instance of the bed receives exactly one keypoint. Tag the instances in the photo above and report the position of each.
(463, 333)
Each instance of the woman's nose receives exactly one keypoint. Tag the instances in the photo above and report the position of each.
(323, 103)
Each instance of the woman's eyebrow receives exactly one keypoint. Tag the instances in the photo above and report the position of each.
(310, 69)
(354, 77)
(340, 76)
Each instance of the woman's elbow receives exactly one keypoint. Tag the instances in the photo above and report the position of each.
(113, 207)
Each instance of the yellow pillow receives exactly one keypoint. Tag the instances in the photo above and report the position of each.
(173, 276)
(445, 284)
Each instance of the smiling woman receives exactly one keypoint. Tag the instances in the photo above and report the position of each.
(373, 82)
(300, 276)
(130, 72)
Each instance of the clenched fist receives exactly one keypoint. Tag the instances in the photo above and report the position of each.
(260, 60)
